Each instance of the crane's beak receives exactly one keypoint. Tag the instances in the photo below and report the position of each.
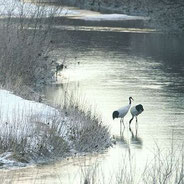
(132, 99)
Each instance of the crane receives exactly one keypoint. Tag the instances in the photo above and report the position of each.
(135, 111)
(121, 113)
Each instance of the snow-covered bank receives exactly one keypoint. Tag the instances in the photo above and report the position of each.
(31, 132)
(24, 125)
(18, 8)
(11, 104)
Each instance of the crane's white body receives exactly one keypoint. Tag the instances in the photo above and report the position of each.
(123, 111)
(134, 111)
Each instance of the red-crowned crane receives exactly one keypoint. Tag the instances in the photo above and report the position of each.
(135, 111)
(121, 113)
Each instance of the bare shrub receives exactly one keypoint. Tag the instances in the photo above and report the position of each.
(24, 47)
(167, 167)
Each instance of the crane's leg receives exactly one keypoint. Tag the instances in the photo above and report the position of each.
(120, 127)
(121, 121)
(136, 132)
(131, 132)
(131, 120)
(136, 122)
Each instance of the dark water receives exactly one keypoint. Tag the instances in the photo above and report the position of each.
(115, 64)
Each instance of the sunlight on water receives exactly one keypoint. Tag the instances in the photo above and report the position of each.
(105, 29)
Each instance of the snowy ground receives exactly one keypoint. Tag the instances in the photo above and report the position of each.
(11, 104)
(20, 119)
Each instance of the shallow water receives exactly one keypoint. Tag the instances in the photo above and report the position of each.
(114, 65)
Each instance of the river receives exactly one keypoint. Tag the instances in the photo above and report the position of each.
(116, 60)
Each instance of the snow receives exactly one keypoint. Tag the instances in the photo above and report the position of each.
(16, 112)
(22, 118)
(12, 106)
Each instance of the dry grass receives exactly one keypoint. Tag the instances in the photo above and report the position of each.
(87, 132)
(166, 167)
(34, 139)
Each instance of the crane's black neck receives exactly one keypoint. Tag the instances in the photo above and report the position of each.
(130, 101)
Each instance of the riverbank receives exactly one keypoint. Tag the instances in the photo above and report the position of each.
(163, 15)
(33, 132)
